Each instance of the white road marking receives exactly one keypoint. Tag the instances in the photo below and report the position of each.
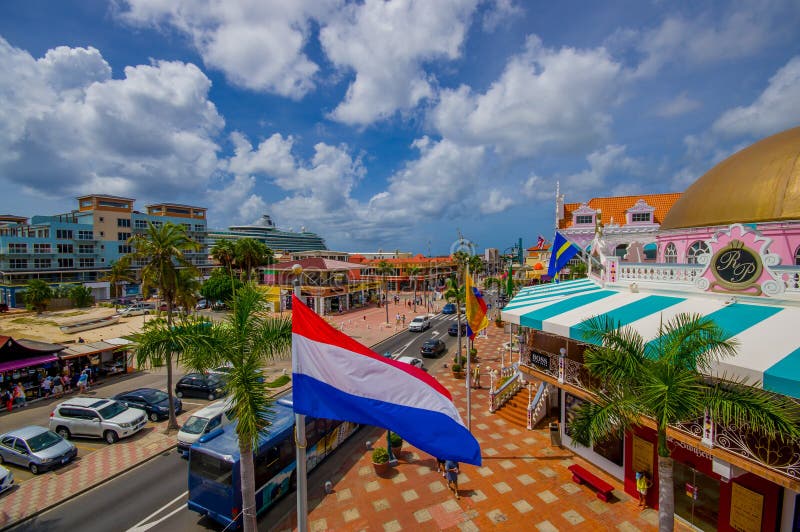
(195, 404)
(434, 333)
(141, 527)
(404, 348)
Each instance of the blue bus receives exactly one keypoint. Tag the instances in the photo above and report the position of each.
(214, 474)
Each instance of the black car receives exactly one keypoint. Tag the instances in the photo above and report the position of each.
(154, 402)
(432, 347)
(453, 329)
(208, 386)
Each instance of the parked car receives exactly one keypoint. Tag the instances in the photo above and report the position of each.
(420, 323)
(137, 309)
(432, 347)
(201, 305)
(449, 308)
(216, 415)
(154, 402)
(453, 329)
(35, 448)
(225, 371)
(6, 479)
(208, 386)
(96, 418)
(219, 305)
(417, 363)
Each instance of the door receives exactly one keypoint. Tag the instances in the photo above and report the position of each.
(7, 449)
(21, 454)
(696, 497)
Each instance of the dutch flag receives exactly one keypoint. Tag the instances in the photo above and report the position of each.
(335, 377)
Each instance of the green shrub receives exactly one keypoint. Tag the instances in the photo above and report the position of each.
(395, 440)
(459, 360)
(456, 368)
(380, 455)
(280, 381)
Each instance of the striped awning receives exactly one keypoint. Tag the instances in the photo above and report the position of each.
(768, 335)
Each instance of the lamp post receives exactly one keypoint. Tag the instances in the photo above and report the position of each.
(300, 431)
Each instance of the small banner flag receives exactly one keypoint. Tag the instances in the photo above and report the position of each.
(561, 253)
(477, 311)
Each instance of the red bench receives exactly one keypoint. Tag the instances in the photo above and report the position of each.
(582, 476)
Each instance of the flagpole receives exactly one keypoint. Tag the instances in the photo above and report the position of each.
(300, 443)
(469, 375)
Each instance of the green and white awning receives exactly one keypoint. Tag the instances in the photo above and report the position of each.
(768, 335)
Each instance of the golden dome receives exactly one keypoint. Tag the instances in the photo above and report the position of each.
(757, 184)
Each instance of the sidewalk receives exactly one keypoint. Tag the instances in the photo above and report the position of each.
(523, 483)
(38, 494)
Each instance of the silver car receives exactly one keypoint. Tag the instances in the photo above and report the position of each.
(6, 479)
(35, 448)
(96, 418)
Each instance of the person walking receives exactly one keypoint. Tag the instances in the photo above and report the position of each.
(440, 463)
(47, 385)
(19, 395)
(642, 485)
(83, 381)
(476, 376)
(7, 399)
(452, 476)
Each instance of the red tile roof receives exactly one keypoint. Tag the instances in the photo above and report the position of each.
(615, 207)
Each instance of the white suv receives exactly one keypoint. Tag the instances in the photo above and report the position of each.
(96, 418)
(420, 323)
(137, 309)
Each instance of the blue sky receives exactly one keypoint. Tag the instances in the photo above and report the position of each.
(384, 124)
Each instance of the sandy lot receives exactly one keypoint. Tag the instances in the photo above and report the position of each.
(44, 327)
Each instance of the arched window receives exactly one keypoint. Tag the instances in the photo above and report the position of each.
(695, 250)
(621, 250)
(670, 254)
(797, 257)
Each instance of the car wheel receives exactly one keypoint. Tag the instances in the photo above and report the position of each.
(33, 468)
(110, 436)
(63, 432)
(178, 394)
(211, 397)
(153, 417)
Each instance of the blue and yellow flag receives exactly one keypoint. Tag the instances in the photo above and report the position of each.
(563, 250)
(476, 308)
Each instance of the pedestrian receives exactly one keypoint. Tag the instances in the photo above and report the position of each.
(58, 388)
(403, 319)
(452, 476)
(65, 383)
(19, 395)
(440, 467)
(642, 485)
(476, 376)
(47, 384)
(80, 340)
(83, 381)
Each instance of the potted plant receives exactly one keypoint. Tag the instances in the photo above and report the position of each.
(498, 321)
(457, 373)
(460, 360)
(473, 355)
(380, 461)
(396, 442)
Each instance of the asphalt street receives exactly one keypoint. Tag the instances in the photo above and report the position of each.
(153, 496)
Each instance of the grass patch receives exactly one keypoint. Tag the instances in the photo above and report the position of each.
(34, 321)
(280, 381)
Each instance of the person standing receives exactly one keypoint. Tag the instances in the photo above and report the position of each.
(642, 485)
(83, 381)
(452, 476)
(19, 395)
(47, 385)
(476, 376)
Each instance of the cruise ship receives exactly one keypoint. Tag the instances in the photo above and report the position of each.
(276, 239)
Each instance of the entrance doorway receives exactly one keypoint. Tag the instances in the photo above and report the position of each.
(696, 497)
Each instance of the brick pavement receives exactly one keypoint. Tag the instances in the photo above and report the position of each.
(523, 483)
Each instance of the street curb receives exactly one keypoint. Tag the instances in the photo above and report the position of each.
(84, 490)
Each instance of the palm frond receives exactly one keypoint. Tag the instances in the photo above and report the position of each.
(670, 393)
(693, 340)
(610, 416)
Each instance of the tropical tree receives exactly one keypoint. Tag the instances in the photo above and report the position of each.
(246, 341)
(578, 270)
(383, 269)
(476, 264)
(250, 254)
(663, 380)
(186, 289)
(161, 249)
(37, 295)
(224, 252)
(220, 286)
(413, 272)
(118, 273)
(81, 296)
(456, 294)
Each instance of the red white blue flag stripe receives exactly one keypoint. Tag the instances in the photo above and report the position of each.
(335, 377)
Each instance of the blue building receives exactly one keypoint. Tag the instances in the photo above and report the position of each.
(80, 246)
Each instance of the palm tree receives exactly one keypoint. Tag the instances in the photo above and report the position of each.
(457, 294)
(119, 272)
(413, 272)
(37, 295)
(162, 251)
(476, 264)
(246, 341)
(186, 289)
(383, 269)
(250, 254)
(224, 252)
(578, 270)
(661, 380)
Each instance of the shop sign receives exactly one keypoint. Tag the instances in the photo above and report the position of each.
(747, 508)
(691, 448)
(642, 455)
(540, 360)
(691, 491)
(735, 266)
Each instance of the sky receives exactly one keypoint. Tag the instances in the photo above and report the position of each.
(384, 124)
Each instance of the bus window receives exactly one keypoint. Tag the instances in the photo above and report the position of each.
(266, 465)
(211, 468)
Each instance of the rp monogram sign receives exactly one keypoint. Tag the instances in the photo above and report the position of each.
(735, 266)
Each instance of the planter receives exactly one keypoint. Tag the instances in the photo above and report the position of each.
(458, 374)
(498, 324)
(382, 470)
(396, 451)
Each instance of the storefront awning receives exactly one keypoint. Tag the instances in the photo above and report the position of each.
(768, 336)
(79, 350)
(27, 362)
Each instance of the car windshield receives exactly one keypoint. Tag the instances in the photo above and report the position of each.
(153, 396)
(43, 441)
(113, 409)
(223, 369)
(418, 320)
(215, 381)
(194, 425)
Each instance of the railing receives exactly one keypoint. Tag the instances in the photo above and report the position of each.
(790, 276)
(499, 397)
(680, 274)
(535, 404)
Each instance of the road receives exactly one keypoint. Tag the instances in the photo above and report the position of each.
(153, 496)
